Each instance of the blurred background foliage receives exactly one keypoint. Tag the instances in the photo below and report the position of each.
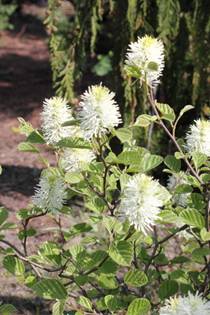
(6, 11)
(88, 40)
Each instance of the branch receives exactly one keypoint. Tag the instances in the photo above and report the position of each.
(152, 103)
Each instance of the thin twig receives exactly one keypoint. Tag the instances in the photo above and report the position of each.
(152, 103)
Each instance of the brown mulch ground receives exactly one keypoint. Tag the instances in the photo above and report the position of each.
(25, 81)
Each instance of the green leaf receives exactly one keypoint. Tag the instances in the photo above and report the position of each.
(25, 127)
(103, 66)
(183, 189)
(74, 143)
(112, 224)
(180, 260)
(111, 158)
(198, 254)
(50, 289)
(76, 250)
(168, 216)
(167, 289)
(95, 259)
(3, 215)
(172, 163)
(49, 252)
(177, 274)
(145, 120)
(184, 110)
(113, 302)
(139, 306)
(30, 280)
(197, 200)
(58, 307)
(27, 147)
(7, 309)
(135, 278)
(85, 302)
(108, 267)
(205, 235)
(14, 265)
(35, 137)
(82, 280)
(199, 159)
(28, 233)
(107, 281)
(124, 178)
(152, 66)
(205, 178)
(166, 111)
(149, 162)
(73, 177)
(133, 71)
(122, 253)
(131, 157)
(124, 135)
(161, 259)
(193, 218)
(179, 155)
(79, 228)
(7, 226)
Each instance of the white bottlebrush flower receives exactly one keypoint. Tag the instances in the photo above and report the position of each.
(187, 305)
(145, 59)
(50, 193)
(55, 113)
(141, 201)
(73, 160)
(174, 181)
(99, 112)
(198, 137)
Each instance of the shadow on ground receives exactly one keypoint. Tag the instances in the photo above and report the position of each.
(25, 83)
(26, 306)
(21, 179)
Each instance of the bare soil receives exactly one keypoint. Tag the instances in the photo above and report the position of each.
(25, 81)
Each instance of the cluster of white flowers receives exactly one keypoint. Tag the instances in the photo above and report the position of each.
(145, 57)
(141, 201)
(50, 193)
(187, 305)
(198, 139)
(174, 181)
(99, 112)
(73, 160)
(55, 113)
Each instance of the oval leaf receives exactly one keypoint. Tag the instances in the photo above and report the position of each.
(50, 289)
(139, 306)
(193, 218)
(167, 289)
(166, 111)
(135, 278)
(121, 253)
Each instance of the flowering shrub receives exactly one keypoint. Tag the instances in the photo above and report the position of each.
(141, 245)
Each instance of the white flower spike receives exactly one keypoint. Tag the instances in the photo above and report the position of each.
(198, 137)
(55, 113)
(145, 59)
(188, 305)
(50, 193)
(141, 201)
(74, 160)
(99, 112)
